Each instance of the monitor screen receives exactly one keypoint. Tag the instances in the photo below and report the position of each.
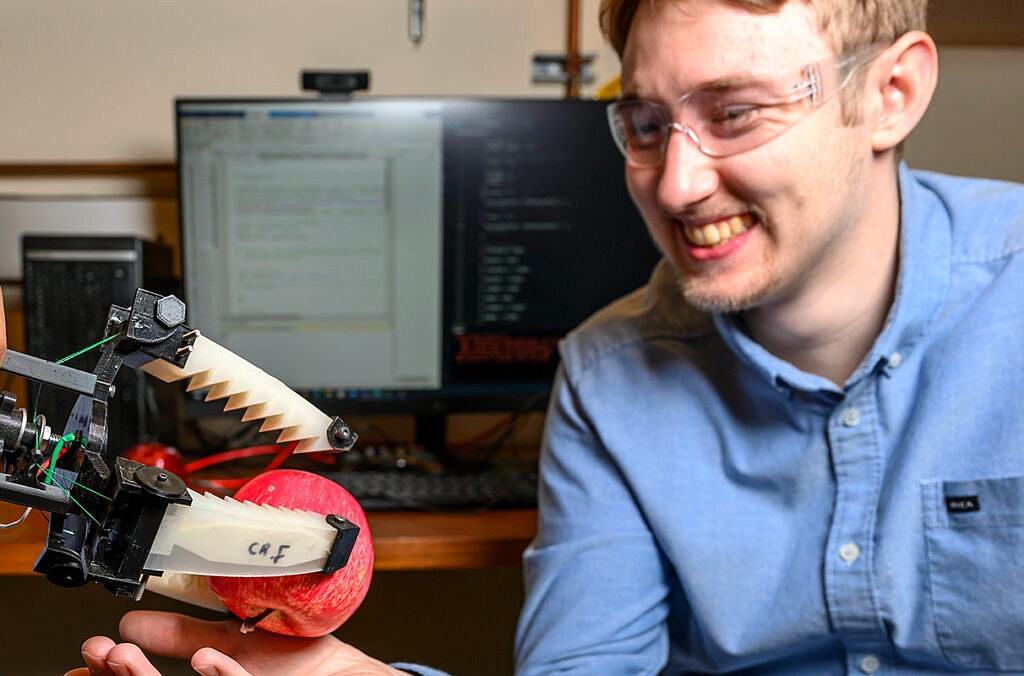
(403, 255)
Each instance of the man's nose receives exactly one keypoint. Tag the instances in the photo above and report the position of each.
(688, 175)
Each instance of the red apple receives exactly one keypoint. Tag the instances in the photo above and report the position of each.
(158, 455)
(311, 604)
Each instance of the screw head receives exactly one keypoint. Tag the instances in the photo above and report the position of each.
(170, 311)
(159, 482)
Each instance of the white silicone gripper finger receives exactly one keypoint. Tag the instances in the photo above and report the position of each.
(243, 385)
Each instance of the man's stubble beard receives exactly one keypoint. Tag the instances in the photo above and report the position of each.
(717, 303)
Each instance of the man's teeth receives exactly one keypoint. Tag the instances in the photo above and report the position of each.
(719, 232)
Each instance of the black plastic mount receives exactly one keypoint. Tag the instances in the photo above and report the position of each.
(154, 326)
(114, 555)
(344, 541)
(340, 436)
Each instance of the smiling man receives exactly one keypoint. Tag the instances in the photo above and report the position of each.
(798, 449)
(763, 192)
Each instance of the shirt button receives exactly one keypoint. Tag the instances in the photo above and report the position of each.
(869, 664)
(849, 552)
(851, 417)
(895, 359)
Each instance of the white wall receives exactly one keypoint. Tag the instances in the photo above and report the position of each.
(94, 80)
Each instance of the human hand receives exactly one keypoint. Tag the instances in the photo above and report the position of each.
(219, 649)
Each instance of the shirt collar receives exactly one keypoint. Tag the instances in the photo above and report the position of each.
(924, 274)
(921, 286)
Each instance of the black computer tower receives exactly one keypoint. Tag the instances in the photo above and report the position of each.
(70, 283)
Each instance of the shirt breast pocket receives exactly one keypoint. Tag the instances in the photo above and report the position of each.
(975, 543)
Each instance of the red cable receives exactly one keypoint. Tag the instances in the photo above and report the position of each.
(230, 484)
(46, 463)
(236, 454)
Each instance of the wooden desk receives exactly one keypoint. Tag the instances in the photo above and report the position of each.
(402, 540)
(417, 541)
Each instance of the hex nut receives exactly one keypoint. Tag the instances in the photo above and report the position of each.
(170, 311)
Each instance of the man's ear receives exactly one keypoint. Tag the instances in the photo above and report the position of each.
(904, 81)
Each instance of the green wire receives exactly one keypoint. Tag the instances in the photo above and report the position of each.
(82, 486)
(68, 493)
(56, 451)
(68, 437)
(91, 347)
(35, 403)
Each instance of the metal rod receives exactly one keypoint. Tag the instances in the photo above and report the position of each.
(48, 372)
(416, 21)
(572, 53)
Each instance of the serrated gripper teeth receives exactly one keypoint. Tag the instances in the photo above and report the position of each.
(240, 400)
(224, 390)
(258, 412)
(201, 380)
(307, 446)
(274, 422)
(242, 385)
(289, 434)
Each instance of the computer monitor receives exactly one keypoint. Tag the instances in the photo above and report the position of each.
(403, 255)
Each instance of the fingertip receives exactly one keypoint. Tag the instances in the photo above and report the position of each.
(212, 662)
(205, 662)
(98, 645)
(137, 626)
(94, 651)
(133, 617)
(128, 658)
(130, 620)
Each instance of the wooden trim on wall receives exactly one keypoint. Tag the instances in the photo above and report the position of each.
(57, 169)
(978, 23)
(153, 179)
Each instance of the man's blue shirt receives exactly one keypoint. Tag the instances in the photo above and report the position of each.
(706, 506)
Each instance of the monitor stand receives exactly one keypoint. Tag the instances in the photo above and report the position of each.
(432, 438)
(432, 433)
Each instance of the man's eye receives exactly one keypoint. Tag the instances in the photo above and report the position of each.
(645, 129)
(648, 128)
(735, 115)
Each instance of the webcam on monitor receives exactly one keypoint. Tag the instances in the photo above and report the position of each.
(335, 82)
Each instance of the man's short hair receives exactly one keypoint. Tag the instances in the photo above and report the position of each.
(846, 23)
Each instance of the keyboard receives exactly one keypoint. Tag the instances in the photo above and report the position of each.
(391, 489)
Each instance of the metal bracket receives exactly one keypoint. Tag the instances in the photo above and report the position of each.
(553, 68)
